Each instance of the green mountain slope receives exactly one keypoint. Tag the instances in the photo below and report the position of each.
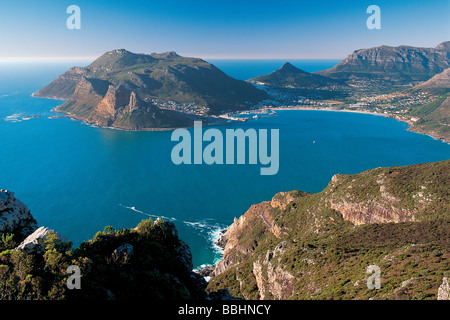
(434, 117)
(319, 246)
(119, 74)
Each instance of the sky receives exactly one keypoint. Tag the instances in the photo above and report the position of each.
(217, 29)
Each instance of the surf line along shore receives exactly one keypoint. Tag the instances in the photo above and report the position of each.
(190, 149)
(225, 309)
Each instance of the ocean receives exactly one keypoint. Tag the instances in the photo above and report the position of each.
(77, 179)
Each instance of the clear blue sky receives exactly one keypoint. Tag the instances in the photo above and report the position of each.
(218, 28)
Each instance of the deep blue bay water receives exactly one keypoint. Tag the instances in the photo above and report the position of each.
(77, 179)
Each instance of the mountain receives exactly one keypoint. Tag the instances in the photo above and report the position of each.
(439, 81)
(400, 64)
(292, 77)
(119, 88)
(300, 245)
(434, 117)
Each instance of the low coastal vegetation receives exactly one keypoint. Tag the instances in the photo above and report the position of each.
(147, 262)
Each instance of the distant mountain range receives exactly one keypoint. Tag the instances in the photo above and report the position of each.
(289, 76)
(400, 64)
(126, 90)
(117, 89)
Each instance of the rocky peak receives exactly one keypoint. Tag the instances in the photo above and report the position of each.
(118, 51)
(444, 46)
(135, 102)
(288, 67)
(14, 215)
(165, 55)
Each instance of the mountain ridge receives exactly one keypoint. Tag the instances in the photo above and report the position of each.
(400, 64)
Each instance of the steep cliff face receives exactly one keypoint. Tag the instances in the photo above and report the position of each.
(15, 217)
(102, 104)
(272, 280)
(384, 216)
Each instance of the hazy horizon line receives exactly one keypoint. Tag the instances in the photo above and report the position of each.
(84, 58)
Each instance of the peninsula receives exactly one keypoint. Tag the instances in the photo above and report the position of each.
(133, 91)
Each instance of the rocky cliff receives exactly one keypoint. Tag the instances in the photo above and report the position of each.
(318, 246)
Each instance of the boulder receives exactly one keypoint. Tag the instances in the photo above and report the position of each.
(35, 242)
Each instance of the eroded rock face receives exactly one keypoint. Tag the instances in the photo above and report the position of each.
(14, 215)
(362, 213)
(236, 233)
(271, 279)
(381, 207)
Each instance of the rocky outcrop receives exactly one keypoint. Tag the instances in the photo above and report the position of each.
(373, 212)
(444, 290)
(272, 280)
(282, 199)
(14, 215)
(346, 195)
(35, 242)
(117, 103)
